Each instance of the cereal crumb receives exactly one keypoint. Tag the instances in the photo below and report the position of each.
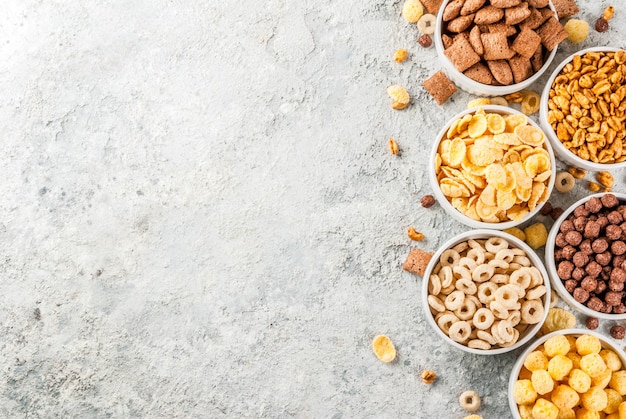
(399, 94)
(594, 187)
(428, 201)
(608, 13)
(605, 179)
(546, 209)
(576, 172)
(414, 235)
(393, 146)
(383, 348)
(429, 376)
(400, 55)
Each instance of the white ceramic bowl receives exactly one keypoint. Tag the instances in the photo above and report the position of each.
(472, 86)
(485, 234)
(557, 284)
(606, 344)
(561, 152)
(447, 206)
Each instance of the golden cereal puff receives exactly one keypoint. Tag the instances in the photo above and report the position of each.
(524, 392)
(622, 410)
(516, 232)
(559, 367)
(611, 359)
(583, 413)
(544, 409)
(577, 30)
(579, 381)
(384, 348)
(595, 399)
(412, 11)
(593, 365)
(536, 360)
(542, 382)
(536, 236)
(602, 380)
(574, 356)
(564, 397)
(613, 400)
(566, 414)
(398, 94)
(587, 344)
(618, 383)
(525, 412)
(556, 345)
(457, 152)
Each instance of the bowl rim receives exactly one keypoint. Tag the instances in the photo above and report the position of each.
(474, 85)
(480, 234)
(550, 263)
(517, 367)
(558, 147)
(447, 206)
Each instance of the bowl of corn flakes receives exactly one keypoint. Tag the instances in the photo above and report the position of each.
(569, 374)
(492, 167)
(485, 292)
(585, 255)
(583, 108)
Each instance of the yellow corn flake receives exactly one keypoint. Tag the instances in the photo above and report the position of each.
(400, 55)
(477, 126)
(412, 10)
(535, 195)
(516, 232)
(499, 100)
(505, 200)
(488, 196)
(398, 94)
(495, 123)
(481, 101)
(457, 152)
(514, 120)
(452, 130)
(577, 30)
(384, 348)
(481, 155)
(517, 213)
(536, 236)
(453, 189)
(507, 138)
(496, 175)
(464, 123)
(530, 135)
(485, 211)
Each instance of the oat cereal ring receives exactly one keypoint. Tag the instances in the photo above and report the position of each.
(536, 293)
(434, 285)
(460, 331)
(499, 265)
(507, 296)
(483, 318)
(446, 276)
(477, 255)
(497, 309)
(454, 300)
(466, 311)
(505, 331)
(467, 263)
(513, 340)
(479, 344)
(506, 255)
(486, 336)
(514, 318)
(435, 303)
(444, 322)
(461, 247)
(467, 286)
(535, 277)
(513, 267)
(426, 24)
(489, 257)
(532, 311)
(487, 292)
(447, 290)
(475, 299)
(469, 401)
(443, 313)
(522, 260)
(474, 244)
(494, 244)
(483, 273)
(520, 277)
(564, 182)
(461, 272)
(449, 257)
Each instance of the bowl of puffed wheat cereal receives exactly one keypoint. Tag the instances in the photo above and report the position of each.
(569, 373)
(583, 109)
(497, 47)
(586, 255)
(485, 292)
(492, 167)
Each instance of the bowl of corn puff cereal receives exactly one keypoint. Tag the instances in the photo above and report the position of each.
(492, 167)
(583, 109)
(485, 292)
(569, 374)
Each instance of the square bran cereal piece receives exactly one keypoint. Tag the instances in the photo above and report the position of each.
(501, 71)
(439, 87)
(461, 54)
(538, 3)
(459, 24)
(537, 59)
(552, 33)
(521, 68)
(526, 43)
(488, 15)
(480, 73)
(533, 21)
(502, 4)
(502, 27)
(474, 40)
(496, 46)
(565, 8)
(471, 6)
(517, 14)
(416, 262)
(547, 13)
(447, 41)
(432, 6)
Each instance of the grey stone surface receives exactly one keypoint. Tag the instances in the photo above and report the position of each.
(199, 216)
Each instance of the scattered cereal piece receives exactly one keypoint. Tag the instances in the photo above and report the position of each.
(536, 235)
(399, 94)
(414, 235)
(558, 319)
(546, 209)
(412, 11)
(428, 376)
(565, 8)
(426, 24)
(384, 348)
(425, 40)
(499, 100)
(557, 345)
(556, 213)
(564, 182)
(530, 102)
(576, 172)
(577, 30)
(400, 55)
(617, 332)
(428, 201)
(393, 146)
(515, 97)
(417, 261)
(602, 25)
(469, 400)
(474, 103)
(605, 179)
(608, 13)
(594, 187)
(517, 232)
(439, 87)
(592, 323)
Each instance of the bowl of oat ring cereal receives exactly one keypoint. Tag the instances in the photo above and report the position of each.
(491, 167)
(571, 373)
(497, 47)
(583, 109)
(485, 292)
(586, 255)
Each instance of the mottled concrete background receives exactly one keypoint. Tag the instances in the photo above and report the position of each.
(199, 216)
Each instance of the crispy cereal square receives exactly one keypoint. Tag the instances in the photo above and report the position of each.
(526, 43)
(439, 87)
(521, 68)
(565, 8)
(552, 33)
(461, 54)
(496, 46)
(417, 261)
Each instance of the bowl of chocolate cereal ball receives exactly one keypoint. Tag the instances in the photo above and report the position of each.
(485, 292)
(491, 167)
(582, 109)
(498, 47)
(586, 255)
(569, 373)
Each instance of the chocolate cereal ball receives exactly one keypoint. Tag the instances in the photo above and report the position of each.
(617, 332)
(592, 323)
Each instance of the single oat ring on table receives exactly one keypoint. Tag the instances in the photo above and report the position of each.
(492, 167)
(587, 106)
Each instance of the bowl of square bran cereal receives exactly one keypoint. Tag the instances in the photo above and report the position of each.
(583, 109)
(491, 167)
(498, 47)
(485, 292)
(569, 373)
